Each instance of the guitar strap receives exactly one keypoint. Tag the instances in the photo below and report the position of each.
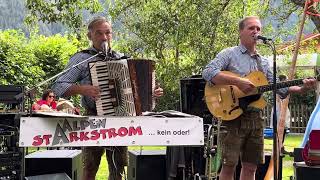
(258, 60)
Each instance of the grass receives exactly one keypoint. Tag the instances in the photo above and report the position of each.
(103, 171)
(291, 141)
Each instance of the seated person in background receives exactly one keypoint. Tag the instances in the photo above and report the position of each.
(47, 102)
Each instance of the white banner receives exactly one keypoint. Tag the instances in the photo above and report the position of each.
(110, 131)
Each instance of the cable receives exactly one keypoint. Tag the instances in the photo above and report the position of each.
(113, 149)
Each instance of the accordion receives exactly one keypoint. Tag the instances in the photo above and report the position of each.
(126, 86)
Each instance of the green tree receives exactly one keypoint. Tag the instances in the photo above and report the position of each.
(52, 53)
(29, 61)
(182, 35)
(68, 12)
(18, 64)
(299, 4)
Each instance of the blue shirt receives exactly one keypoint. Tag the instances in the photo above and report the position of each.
(79, 75)
(238, 60)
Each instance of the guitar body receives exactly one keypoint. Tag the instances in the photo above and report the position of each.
(224, 101)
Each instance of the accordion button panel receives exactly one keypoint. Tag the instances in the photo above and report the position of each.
(100, 78)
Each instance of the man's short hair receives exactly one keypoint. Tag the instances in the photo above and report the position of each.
(242, 22)
(97, 20)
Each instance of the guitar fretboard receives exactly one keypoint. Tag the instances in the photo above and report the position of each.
(265, 88)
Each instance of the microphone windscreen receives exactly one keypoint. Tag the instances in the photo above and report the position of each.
(256, 36)
(105, 47)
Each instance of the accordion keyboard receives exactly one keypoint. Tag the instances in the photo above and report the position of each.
(112, 77)
(100, 78)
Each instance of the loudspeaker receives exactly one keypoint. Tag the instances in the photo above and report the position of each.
(304, 172)
(297, 154)
(147, 164)
(192, 98)
(58, 176)
(54, 161)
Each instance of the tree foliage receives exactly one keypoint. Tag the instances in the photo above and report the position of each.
(182, 35)
(29, 61)
(283, 11)
(17, 62)
(52, 53)
(314, 8)
(68, 12)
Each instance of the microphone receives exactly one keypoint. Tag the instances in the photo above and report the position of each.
(264, 39)
(105, 48)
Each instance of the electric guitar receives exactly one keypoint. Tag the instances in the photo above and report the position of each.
(228, 101)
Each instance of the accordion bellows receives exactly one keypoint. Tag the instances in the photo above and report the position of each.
(126, 86)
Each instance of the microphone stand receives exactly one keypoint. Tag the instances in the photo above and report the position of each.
(30, 92)
(276, 173)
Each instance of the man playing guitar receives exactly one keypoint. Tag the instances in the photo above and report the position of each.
(244, 138)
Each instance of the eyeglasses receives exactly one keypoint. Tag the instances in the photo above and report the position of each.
(51, 96)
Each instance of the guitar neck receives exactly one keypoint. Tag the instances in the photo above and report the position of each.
(265, 88)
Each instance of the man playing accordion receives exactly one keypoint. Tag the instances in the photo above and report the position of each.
(77, 81)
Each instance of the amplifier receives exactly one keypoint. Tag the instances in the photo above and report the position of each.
(11, 156)
(147, 164)
(192, 98)
(57, 176)
(11, 165)
(11, 98)
(11, 177)
(297, 154)
(54, 161)
(11, 93)
(304, 172)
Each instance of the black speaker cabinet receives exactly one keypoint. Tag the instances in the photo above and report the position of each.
(297, 154)
(54, 161)
(192, 98)
(58, 176)
(304, 172)
(147, 164)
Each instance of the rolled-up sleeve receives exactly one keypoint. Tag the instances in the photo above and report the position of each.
(69, 78)
(216, 65)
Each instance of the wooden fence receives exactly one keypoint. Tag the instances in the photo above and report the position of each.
(299, 116)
